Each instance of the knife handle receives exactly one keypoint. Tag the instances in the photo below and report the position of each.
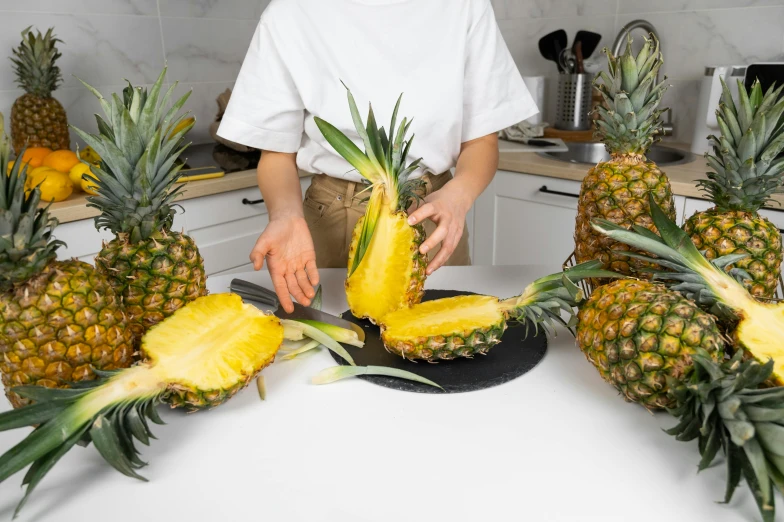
(248, 290)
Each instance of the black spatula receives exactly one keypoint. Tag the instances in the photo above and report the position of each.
(590, 41)
(551, 45)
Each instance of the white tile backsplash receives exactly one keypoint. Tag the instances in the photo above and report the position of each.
(205, 41)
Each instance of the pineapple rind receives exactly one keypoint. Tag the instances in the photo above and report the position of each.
(617, 190)
(155, 277)
(59, 326)
(474, 324)
(39, 122)
(719, 233)
(406, 287)
(637, 334)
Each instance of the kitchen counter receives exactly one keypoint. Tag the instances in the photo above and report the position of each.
(556, 444)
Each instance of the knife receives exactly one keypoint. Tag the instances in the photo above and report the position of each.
(253, 292)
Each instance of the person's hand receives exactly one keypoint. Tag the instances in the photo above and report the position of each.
(447, 208)
(291, 259)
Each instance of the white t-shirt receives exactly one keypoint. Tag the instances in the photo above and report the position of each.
(447, 56)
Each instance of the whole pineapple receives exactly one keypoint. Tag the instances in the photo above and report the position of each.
(59, 320)
(617, 190)
(744, 174)
(37, 119)
(156, 270)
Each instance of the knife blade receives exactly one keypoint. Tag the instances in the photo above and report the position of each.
(253, 292)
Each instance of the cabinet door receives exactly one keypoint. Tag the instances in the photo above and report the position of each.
(524, 219)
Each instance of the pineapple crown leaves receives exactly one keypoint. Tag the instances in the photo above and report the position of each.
(721, 404)
(62, 423)
(383, 164)
(689, 272)
(629, 122)
(139, 141)
(745, 171)
(26, 242)
(34, 62)
(543, 301)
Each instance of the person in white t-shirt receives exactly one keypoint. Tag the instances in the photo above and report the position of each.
(459, 82)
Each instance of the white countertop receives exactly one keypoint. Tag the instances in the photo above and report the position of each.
(555, 444)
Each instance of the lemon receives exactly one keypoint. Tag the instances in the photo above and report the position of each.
(54, 185)
(75, 174)
(89, 155)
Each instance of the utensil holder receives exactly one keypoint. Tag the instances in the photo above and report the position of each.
(574, 102)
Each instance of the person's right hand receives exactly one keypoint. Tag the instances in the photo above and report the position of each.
(291, 259)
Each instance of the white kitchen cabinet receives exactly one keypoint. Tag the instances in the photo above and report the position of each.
(528, 219)
(225, 226)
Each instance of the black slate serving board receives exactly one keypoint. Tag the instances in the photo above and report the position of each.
(511, 358)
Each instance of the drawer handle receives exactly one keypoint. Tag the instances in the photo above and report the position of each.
(557, 192)
(246, 201)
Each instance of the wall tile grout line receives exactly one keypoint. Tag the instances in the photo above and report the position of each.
(160, 26)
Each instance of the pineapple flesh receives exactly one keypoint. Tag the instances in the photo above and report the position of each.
(468, 325)
(59, 320)
(386, 271)
(618, 189)
(639, 334)
(744, 175)
(38, 119)
(156, 270)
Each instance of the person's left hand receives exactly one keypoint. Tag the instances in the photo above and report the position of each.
(447, 208)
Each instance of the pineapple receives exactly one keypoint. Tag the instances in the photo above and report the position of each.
(58, 319)
(467, 325)
(639, 334)
(744, 175)
(618, 189)
(37, 119)
(386, 271)
(649, 341)
(155, 270)
(198, 358)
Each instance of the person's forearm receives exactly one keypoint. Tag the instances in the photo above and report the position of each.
(279, 184)
(476, 166)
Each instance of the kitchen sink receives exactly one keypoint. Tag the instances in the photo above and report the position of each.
(593, 153)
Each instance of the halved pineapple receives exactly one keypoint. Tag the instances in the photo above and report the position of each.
(197, 358)
(392, 274)
(386, 271)
(466, 325)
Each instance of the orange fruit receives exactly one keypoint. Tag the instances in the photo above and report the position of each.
(62, 160)
(34, 156)
(54, 185)
(88, 186)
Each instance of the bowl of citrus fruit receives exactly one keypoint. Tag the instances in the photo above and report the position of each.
(59, 173)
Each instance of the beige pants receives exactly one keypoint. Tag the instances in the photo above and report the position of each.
(333, 206)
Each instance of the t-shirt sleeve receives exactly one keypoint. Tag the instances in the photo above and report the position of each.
(494, 95)
(265, 110)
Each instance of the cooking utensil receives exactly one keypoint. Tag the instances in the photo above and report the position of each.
(253, 292)
(567, 61)
(199, 174)
(551, 45)
(578, 57)
(590, 41)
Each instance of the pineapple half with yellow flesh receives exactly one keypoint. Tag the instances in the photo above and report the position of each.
(618, 189)
(59, 320)
(157, 270)
(386, 271)
(197, 358)
(745, 173)
(467, 325)
(758, 327)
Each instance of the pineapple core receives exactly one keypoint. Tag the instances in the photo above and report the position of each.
(384, 280)
(213, 342)
(760, 332)
(454, 315)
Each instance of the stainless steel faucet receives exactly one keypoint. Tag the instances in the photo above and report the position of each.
(620, 40)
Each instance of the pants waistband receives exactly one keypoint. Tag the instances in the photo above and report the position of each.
(350, 189)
